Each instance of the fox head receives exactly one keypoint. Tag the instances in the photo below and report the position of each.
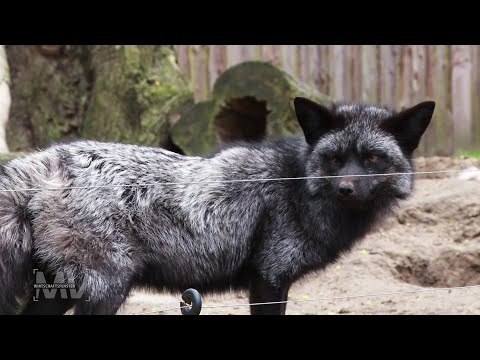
(358, 139)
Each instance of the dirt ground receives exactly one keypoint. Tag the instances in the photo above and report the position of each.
(433, 241)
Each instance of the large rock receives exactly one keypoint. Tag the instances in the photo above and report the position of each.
(250, 101)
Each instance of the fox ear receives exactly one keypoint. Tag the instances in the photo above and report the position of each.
(409, 125)
(314, 119)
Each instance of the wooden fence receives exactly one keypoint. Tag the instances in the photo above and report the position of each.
(395, 75)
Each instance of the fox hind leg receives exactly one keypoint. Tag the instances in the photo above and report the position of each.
(105, 299)
(40, 304)
(106, 306)
(47, 307)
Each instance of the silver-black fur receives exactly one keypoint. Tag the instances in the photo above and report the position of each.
(257, 236)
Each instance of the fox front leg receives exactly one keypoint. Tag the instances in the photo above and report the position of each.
(262, 291)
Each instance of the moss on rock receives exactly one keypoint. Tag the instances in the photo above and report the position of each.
(4, 157)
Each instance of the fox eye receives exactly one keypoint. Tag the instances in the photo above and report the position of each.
(373, 158)
(334, 159)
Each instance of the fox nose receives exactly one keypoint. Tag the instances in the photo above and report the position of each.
(346, 188)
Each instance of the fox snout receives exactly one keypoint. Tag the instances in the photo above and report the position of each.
(353, 192)
(346, 188)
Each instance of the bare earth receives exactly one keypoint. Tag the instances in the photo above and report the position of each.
(433, 241)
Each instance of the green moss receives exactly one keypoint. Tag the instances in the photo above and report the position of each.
(4, 157)
(131, 59)
(469, 153)
(193, 133)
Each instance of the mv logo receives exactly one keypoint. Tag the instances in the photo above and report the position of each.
(63, 283)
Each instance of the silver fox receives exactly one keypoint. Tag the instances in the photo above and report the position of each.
(198, 224)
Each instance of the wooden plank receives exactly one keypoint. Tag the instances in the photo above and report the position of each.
(418, 72)
(201, 84)
(378, 72)
(369, 74)
(448, 76)
(303, 63)
(337, 67)
(476, 98)
(314, 66)
(418, 87)
(271, 53)
(182, 59)
(462, 99)
(397, 51)
(442, 116)
(405, 76)
(312, 63)
(237, 54)
(191, 53)
(217, 63)
(429, 71)
(256, 52)
(388, 65)
(356, 66)
(234, 55)
(347, 74)
(430, 142)
(324, 85)
(246, 52)
(289, 59)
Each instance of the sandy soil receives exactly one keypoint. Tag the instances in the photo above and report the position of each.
(433, 241)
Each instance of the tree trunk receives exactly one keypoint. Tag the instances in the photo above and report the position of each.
(49, 91)
(5, 99)
(138, 93)
(122, 93)
(462, 101)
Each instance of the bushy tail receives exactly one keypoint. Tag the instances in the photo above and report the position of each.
(16, 237)
(15, 251)
(15, 273)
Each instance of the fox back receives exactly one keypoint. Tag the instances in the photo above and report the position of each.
(253, 217)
